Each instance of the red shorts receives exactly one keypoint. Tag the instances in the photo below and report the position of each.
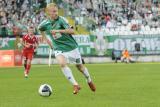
(28, 54)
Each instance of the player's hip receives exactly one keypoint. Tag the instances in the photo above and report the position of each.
(27, 51)
(72, 56)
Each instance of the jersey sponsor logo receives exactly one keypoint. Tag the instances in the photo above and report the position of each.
(57, 35)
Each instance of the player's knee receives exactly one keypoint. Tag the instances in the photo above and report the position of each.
(62, 65)
(28, 61)
(25, 61)
(80, 67)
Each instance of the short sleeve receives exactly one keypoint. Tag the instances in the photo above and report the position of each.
(36, 39)
(43, 25)
(24, 38)
(64, 23)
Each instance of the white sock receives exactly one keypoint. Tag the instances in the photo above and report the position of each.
(68, 74)
(86, 74)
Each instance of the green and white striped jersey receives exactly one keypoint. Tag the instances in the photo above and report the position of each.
(62, 42)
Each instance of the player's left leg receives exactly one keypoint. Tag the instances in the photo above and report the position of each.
(28, 64)
(85, 72)
(25, 63)
(67, 72)
(24, 58)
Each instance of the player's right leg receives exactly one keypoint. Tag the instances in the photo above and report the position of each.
(24, 55)
(68, 73)
(25, 67)
(85, 72)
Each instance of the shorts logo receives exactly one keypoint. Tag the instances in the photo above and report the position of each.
(78, 60)
(74, 60)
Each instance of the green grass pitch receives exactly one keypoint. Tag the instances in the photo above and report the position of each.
(118, 85)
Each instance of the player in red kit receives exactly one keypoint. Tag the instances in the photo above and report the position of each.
(30, 43)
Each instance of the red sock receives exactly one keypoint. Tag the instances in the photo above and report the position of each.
(28, 68)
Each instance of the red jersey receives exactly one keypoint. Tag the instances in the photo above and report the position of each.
(32, 41)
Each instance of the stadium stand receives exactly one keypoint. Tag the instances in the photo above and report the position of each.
(116, 17)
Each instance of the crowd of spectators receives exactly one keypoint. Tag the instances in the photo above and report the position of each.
(131, 15)
(18, 14)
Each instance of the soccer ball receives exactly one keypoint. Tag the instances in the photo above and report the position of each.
(45, 90)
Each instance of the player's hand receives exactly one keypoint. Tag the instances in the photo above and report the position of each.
(28, 45)
(54, 33)
(19, 45)
(50, 46)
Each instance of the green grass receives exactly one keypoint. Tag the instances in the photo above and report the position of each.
(118, 85)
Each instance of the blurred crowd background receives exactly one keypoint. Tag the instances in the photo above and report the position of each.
(115, 17)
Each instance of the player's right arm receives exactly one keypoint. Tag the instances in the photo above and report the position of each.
(42, 28)
(45, 38)
(24, 43)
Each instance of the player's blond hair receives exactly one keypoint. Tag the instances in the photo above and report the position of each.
(49, 6)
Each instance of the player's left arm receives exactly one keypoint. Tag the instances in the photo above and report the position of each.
(68, 31)
(66, 28)
(24, 42)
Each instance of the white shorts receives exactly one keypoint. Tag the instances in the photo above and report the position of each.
(72, 57)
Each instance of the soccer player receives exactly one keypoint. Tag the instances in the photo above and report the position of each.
(66, 49)
(30, 43)
(125, 56)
